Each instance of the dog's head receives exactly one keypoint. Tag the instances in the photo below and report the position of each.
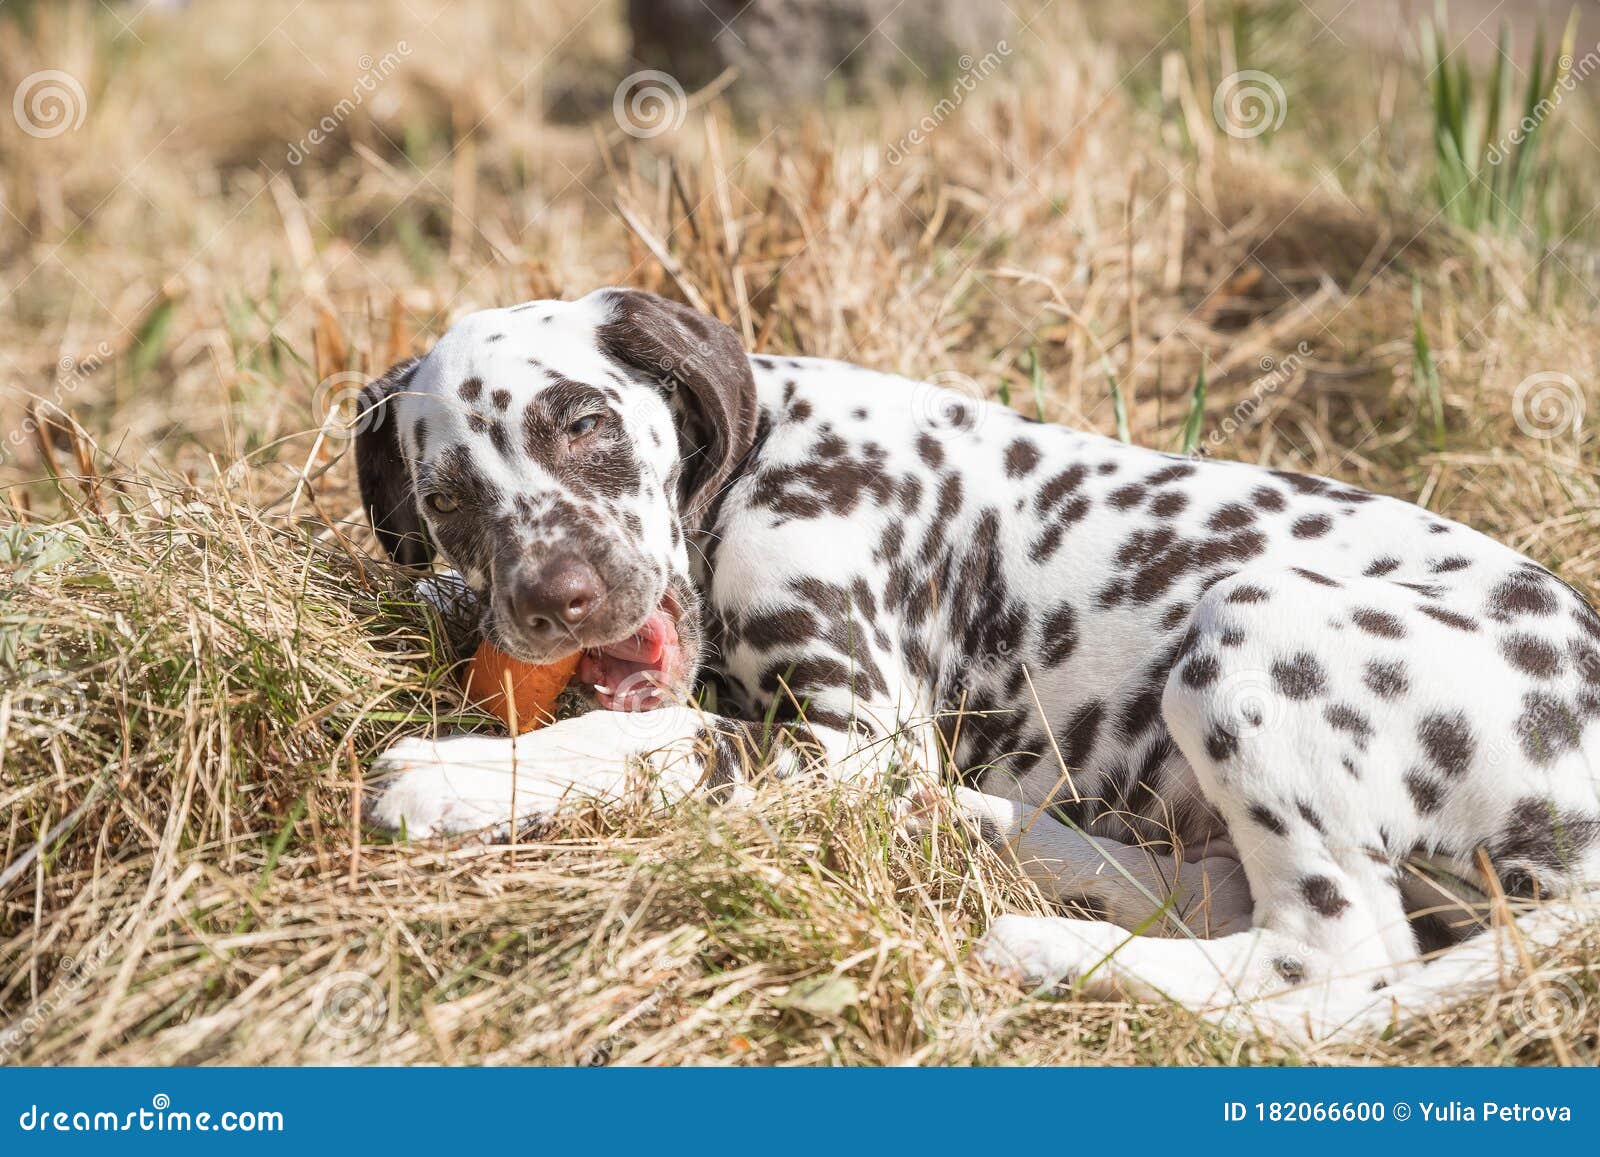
(564, 456)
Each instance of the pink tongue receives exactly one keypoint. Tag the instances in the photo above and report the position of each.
(646, 644)
(639, 673)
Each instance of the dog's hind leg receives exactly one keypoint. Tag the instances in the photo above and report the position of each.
(1327, 938)
(1323, 917)
(1256, 711)
(1131, 887)
(1334, 754)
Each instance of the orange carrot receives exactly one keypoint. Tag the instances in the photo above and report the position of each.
(534, 687)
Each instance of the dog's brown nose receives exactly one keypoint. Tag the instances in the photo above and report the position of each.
(561, 594)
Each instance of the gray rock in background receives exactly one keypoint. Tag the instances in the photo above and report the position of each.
(790, 51)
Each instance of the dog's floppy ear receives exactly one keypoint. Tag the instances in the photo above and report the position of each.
(705, 358)
(386, 485)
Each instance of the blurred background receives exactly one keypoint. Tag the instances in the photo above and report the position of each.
(1081, 193)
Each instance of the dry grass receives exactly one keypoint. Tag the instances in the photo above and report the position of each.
(199, 651)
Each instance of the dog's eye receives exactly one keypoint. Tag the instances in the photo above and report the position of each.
(441, 503)
(584, 425)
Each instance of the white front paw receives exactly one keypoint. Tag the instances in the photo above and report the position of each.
(425, 802)
(1047, 952)
(442, 787)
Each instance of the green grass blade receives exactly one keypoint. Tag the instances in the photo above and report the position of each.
(1426, 371)
(1119, 407)
(1036, 383)
(1197, 411)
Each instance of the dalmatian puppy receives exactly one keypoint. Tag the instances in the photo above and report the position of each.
(1253, 714)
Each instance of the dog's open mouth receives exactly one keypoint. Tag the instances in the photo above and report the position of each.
(642, 672)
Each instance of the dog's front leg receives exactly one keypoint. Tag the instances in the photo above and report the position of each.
(462, 783)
